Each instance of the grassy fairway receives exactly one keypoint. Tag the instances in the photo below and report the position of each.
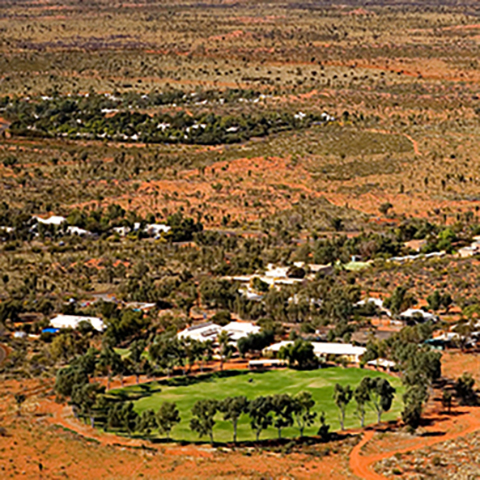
(252, 384)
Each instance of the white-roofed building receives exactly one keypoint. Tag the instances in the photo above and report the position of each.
(202, 332)
(382, 363)
(326, 349)
(249, 295)
(53, 220)
(376, 301)
(72, 321)
(156, 229)
(276, 272)
(417, 314)
(122, 231)
(237, 330)
(81, 232)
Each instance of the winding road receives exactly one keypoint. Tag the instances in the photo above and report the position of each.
(362, 465)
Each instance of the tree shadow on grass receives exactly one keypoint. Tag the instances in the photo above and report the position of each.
(132, 393)
(269, 443)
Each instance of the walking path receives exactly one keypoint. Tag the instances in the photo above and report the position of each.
(466, 421)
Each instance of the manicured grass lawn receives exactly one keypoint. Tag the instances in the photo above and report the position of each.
(186, 391)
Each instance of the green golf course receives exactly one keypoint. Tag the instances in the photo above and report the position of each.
(185, 391)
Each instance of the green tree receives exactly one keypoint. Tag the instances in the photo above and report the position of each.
(434, 301)
(283, 409)
(465, 391)
(385, 207)
(128, 418)
(84, 399)
(342, 396)
(137, 347)
(67, 378)
(260, 410)
(225, 348)
(300, 354)
(381, 395)
(146, 422)
(19, 400)
(167, 352)
(167, 417)
(361, 396)
(413, 400)
(447, 400)
(447, 301)
(203, 420)
(399, 301)
(303, 404)
(324, 429)
(205, 352)
(109, 361)
(232, 408)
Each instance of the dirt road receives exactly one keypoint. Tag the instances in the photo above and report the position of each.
(466, 421)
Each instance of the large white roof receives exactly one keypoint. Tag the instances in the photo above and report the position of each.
(325, 348)
(382, 362)
(411, 312)
(238, 330)
(210, 331)
(53, 220)
(157, 228)
(202, 332)
(72, 321)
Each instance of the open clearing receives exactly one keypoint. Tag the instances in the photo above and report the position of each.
(253, 384)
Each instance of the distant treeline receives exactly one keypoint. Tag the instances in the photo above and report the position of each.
(99, 117)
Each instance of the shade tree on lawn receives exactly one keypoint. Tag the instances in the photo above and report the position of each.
(303, 404)
(203, 419)
(232, 408)
(168, 416)
(146, 422)
(283, 407)
(342, 396)
(260, 414)
(361, 396)
(381, 395)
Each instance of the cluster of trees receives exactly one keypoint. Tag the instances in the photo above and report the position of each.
(78, 117)
(279, 411)
(299, 354)
(97, 221)
(419, 365)
(121, 100)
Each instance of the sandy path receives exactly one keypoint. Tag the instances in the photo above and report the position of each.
(362, 465)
